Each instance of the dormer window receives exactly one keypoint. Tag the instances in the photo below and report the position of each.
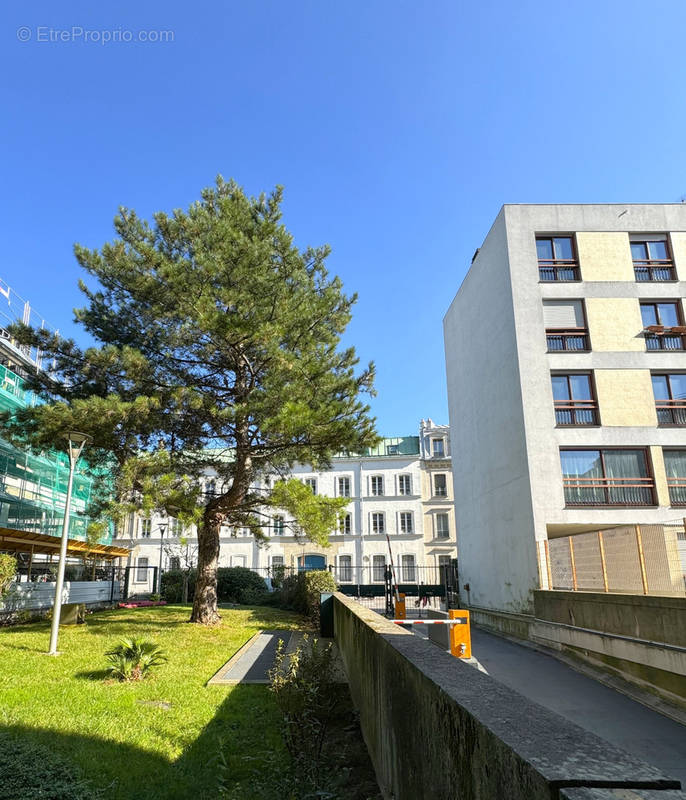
(437, 448)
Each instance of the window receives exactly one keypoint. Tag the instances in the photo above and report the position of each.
(175, 527)
(277, 561)
(556, 258)
(574, 399)
(345, 568)
(442, 526)
(440, 486)
(670, 398)
(346, 524)
(267, 482)
(565, 325)
(377, 485)
(278, 525)
(663, 325)
(142, 571)
(408, 571)
(406, 522)
(175, 562)
(378, 568)
(312, 483)
(391, 449)
(404, 484)
(606, 478)
(443, 561)
(146, 528)
(437, 448)
(652, 259)
(210, 487)
(237, 561)
(344, 487)
(378, 523)
(675, 467)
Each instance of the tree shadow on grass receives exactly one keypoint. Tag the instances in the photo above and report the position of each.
(245, 726)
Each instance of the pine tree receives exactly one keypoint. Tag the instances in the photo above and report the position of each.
(218, 353)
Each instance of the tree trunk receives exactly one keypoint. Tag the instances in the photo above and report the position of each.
(205, 600)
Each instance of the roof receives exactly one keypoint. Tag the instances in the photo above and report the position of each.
(27, 541)
(390, 446)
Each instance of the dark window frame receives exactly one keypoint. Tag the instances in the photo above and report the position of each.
(650, 265)
(558, 266)
(603, 481)
(676, 407)
(573, 405)
(570, 333)
(672, 482)
(660, 338)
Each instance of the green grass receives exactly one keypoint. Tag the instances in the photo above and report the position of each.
(115, 733)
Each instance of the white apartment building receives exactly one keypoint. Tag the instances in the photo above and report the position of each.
(565, 353)
(400, 490)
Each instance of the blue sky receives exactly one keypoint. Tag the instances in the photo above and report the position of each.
(397, 128)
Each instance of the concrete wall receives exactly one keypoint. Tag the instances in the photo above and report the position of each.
(438, 728)
(493, 508)
(656, 619)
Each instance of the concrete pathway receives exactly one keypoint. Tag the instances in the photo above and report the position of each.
(253, 661)
(591, 705)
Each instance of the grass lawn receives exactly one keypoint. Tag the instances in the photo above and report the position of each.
(153, 739)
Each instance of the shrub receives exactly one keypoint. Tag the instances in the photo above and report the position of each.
(133, 659)
(240, 585)
(8, 570)
(301, 592)
(172, 585)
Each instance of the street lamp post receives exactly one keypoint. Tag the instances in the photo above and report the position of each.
(163, 528)
(76, 442)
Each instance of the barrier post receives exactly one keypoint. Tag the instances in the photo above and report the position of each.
(400, 612)
(460, 636)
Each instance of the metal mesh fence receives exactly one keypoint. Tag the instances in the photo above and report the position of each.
(631, 559)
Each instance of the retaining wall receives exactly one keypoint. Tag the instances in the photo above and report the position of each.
(438, 728)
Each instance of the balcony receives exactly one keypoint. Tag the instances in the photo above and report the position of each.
(576, 412)
(609, 491)
(571, 340)
(658, 337)
(558, 269)
(654, 270)
(671, 412)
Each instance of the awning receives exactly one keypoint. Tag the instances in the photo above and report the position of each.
(28, 541)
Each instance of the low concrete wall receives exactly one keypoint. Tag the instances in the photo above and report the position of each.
(654, 619)
(437, 728)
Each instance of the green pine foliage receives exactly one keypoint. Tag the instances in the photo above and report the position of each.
(217, 352)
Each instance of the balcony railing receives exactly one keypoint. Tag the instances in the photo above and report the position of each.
(573, 340)
(671, 412)
(667, 339)
(558, 270)
(609, 491)
(576, 412)
(654, 270)
(677, 491)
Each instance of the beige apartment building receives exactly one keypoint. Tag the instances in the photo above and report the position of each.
(566, 363)
(400, 506)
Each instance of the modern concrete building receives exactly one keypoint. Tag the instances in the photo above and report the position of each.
(401, 488)
(566, 363)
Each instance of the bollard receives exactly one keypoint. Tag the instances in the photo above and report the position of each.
(400, 612)
(460, 636)
(326, 615)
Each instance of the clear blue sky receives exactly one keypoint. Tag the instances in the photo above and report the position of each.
(397, 128)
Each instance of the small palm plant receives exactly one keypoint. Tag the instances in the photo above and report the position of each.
(133, 659)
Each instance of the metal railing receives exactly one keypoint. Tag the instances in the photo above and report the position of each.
(609, 491)
(664, 341)
(630, 559)
(576, 412)
(654, 270)
(558, 269)
(573, 340)
(677, 491)
(671, 412)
